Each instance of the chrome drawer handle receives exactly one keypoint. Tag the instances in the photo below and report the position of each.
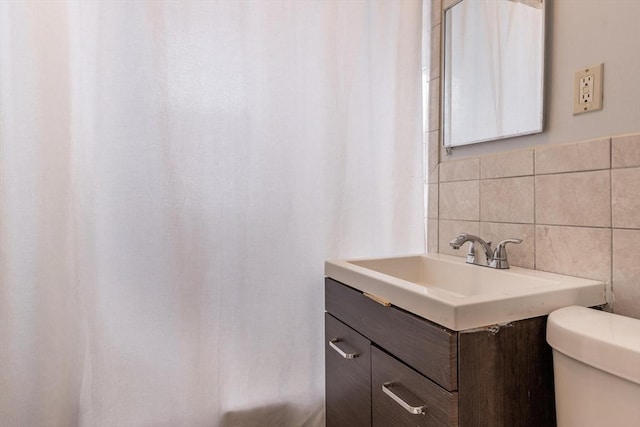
(415, 410)
(340, 351)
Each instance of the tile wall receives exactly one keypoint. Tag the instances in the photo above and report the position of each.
(576, 205)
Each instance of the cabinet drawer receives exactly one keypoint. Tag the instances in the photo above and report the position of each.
(348, 376)
(426, 347)
(398, 392)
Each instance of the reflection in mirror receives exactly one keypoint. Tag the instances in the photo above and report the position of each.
(493, 70)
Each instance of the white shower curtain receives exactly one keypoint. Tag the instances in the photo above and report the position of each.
(172, 177)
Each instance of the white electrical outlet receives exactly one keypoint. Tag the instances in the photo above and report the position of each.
(588, 89)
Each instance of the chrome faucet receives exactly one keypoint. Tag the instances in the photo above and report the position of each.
(463, 238)
(493, 258)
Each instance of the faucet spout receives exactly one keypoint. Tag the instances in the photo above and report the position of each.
(463, 238)
(458, 241)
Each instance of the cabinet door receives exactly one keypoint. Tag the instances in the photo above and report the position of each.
(348, 375)
(425, 346)
(403, 397)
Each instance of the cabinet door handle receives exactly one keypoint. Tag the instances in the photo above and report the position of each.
(340, 351)
(416, 410)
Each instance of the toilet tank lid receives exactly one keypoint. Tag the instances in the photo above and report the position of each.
(603, 340)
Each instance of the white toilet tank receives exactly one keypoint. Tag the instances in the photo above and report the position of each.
(596, 363)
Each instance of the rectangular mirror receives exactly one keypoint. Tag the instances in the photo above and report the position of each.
(493, 70)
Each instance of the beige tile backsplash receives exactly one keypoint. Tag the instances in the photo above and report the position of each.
(436, 12)
(505, 165)
(434, 104)
(577, 207)
(434, 59)
(626, 271)
(625, 151)
(580, 156)
(581, 198)
(432, 150)
(576, 251)
(460, 170)
(625, 197)
(507, 200)
(432, 205)
(432, 235)
(459, 200)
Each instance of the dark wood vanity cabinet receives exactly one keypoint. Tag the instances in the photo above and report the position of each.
(388, 367)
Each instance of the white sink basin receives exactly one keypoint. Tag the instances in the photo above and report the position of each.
(446, 290)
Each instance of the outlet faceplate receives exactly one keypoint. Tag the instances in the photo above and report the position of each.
(587, 89)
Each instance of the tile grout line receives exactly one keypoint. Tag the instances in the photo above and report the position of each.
(479, 196)
(612, 304)
(535, 223)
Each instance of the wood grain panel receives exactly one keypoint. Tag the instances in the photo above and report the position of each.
(425, 346)
(506, 377)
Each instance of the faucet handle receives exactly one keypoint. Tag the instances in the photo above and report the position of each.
(500, 254)
(503, 243)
